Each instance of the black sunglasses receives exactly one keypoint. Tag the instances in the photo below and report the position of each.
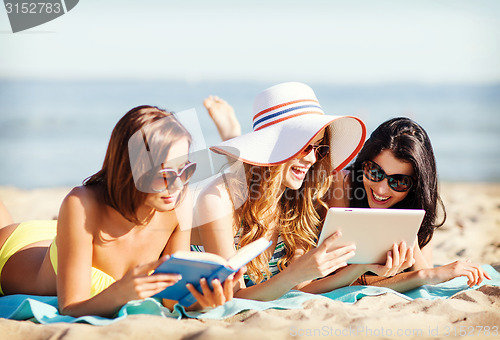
(166, 177)
(374, 172)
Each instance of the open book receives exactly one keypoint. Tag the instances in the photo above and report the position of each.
(196, 265)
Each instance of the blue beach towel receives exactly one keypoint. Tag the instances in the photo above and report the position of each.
(43, 309)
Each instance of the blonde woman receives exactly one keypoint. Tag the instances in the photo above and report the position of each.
(288, 159)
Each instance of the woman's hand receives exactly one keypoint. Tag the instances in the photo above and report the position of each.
(137, 283)
(322, 260)
(398, 259)
(220, 294)
(473, 272)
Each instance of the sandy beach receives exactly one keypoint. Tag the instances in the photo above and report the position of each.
(472, 231)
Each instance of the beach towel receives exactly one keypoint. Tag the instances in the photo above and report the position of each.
(43, 309)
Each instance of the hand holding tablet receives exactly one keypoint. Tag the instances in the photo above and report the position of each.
(373, 231)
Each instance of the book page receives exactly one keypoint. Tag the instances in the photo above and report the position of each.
(194, 255)
(248, 253)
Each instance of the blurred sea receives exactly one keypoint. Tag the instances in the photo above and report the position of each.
(55, 133)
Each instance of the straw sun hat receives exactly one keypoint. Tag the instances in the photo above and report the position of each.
(286, 119)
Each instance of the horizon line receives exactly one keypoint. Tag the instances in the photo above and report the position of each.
(254, 81)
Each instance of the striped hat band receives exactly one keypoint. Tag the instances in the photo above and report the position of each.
(282, 112)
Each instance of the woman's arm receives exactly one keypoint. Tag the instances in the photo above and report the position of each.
(74, 242)
(180, 240)
(397, 259)
(410, 280)
(344, 277)
(218, 237)
(214, 219)
(316, 263)
(422, 272)
(423, 257)
(74, 253)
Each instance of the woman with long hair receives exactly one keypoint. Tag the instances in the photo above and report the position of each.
(396, 169)
(116, 228)
(287, 161)
(403, 142)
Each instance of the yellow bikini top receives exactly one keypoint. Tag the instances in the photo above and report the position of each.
(99, 279)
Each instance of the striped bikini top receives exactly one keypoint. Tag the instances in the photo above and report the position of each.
(279, 252)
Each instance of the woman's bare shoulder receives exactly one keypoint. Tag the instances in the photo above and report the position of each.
(216, 192)
(82, 196)
(217, 200)
(82, 206)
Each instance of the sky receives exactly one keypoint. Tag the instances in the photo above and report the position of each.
(340, 42)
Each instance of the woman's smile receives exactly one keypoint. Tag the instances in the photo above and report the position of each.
(380, 194)
(300, 172)
(379, 198)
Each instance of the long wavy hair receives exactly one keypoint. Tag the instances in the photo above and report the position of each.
(408, 142)
(114, 182)
(295, 211)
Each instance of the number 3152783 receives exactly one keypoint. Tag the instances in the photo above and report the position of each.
(33, 7)
(485, 331)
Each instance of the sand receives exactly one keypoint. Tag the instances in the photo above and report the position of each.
(472, 231)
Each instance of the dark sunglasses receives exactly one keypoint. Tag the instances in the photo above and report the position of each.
(166, 177)
(319, 150)
(374, 172)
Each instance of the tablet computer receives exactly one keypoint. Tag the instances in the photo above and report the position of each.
(373, 231)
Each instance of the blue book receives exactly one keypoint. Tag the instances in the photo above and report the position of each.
(196, 265)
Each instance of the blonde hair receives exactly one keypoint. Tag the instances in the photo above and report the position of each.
(295, 211)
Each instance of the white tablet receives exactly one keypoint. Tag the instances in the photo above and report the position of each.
(373, 231)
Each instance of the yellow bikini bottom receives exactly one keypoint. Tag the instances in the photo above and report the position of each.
(30, 232)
